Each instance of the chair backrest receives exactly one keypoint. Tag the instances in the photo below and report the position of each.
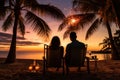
(54, 57)
(77, 56)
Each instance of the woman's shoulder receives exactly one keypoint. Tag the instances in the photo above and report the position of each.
(55, 48)
(61, 47)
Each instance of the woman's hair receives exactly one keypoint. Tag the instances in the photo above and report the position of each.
(55, 42)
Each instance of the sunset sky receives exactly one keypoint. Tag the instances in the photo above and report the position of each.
(31, 42)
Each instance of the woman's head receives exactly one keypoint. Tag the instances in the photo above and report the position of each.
(55, 42)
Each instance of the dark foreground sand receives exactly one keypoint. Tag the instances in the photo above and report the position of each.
(107, 70)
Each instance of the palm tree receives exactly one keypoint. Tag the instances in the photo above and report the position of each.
(96, 13)
(117, 38)
(106, 44)
(18, 12)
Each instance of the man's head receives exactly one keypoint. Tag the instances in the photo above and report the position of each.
(73, 36)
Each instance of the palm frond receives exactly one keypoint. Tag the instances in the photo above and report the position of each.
(39, 25)
(87, 18)
(101, 44)
(8, 22)
(117, 9)
(88, 5)
(44, 9)
(105, 41)
(32, 4)
(106, 47)
(82, 20)
(67, 20)
(66, 34)
(92, 28)
(63, 24)
(117, 32)
(70, 29)
(109, 12)
(75, 3)
(51, 11)
(21, 26)
(2, 9)
(12, 2)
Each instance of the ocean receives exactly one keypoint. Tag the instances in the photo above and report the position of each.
(24, 55)
(39, 55)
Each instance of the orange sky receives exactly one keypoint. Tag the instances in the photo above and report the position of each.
(92, 42)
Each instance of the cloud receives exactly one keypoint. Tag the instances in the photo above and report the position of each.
(26, 43)
(5, 39)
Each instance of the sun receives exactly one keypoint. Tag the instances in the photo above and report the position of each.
(73, 21)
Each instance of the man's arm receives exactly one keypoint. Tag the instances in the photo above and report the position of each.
(67, 50)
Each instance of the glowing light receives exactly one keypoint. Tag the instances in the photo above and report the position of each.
(73, 20)
(35, 67)
(30, 67)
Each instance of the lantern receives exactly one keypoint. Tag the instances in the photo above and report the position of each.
(35, 67)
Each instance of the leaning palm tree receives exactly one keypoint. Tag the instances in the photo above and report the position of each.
(117, 38)
(18, 12)
(96, 13)
(105, 44)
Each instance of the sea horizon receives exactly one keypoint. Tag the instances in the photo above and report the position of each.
(24, 54)
(38, 55)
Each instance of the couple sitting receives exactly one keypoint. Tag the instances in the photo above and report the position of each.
(74, 48)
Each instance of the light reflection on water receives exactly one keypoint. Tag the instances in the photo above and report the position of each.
(24, 55)
(100, 56)
(39, 55)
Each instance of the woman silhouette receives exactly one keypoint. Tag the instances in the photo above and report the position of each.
(56, 52)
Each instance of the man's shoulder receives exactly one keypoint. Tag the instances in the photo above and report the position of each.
(61, 47)
(69, 44)
(81, 43)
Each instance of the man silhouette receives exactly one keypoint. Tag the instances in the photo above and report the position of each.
(73, 51)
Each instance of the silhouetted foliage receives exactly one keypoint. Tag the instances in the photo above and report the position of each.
(18, 12)
(95, 13)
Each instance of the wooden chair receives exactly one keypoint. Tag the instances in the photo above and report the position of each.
(77, 59)
(52, 59)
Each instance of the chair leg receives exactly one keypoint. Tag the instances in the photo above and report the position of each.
(44, 66)
(57, 69)
(88, 66)
(63, 66)
(79, 69)
(67, 70)
(63, 70)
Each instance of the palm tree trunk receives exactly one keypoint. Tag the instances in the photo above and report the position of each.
(115, 55)
(115, 4)
(12, 52)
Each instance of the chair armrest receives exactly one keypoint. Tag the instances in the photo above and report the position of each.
(44, 59)
(63, 57)
(87, 58)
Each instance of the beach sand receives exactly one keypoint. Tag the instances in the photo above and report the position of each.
(106, 70)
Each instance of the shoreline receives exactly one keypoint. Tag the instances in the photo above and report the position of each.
(39, 55)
